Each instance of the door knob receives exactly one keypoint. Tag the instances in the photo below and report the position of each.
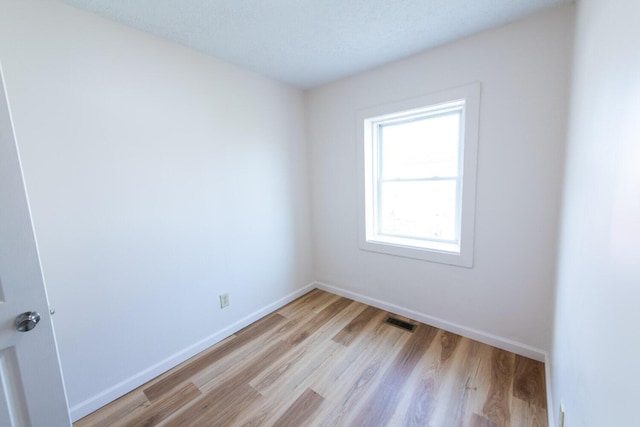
(27, 321)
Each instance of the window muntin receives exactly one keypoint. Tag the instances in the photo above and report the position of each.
(418, 170)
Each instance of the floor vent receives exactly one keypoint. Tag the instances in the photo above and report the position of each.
(401, 324)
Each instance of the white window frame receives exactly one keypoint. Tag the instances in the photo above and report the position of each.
(458, 253)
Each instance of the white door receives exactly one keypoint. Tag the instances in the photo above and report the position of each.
(31, 388)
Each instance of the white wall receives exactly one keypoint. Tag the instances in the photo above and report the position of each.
(597, 339)
(524, 70)
(158, 179)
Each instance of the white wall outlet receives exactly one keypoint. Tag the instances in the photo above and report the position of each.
(224, 300)
(561, 421)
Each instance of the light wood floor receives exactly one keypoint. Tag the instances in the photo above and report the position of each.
(324, 360)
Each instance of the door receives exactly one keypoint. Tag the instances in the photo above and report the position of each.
(31, 388)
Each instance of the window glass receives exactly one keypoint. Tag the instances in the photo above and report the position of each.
(420, 209)
(421, 148)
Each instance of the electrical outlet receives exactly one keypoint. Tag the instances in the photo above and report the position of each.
(224, 300)
(561, 422)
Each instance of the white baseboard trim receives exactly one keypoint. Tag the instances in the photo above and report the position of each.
(551, 416)
(109, 395)
(483, 337)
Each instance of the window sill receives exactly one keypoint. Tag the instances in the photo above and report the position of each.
(442, 256)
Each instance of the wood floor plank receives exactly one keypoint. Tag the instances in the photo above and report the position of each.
(352, 379)
(480, 381)
(449, 342)
(422, 389)
(382, 405)
(324, 360)
(529, 381)
(271, 355)
(317, 321)
(163, 408)
(353, 396)
(306, 363)
(458, 384)
(207, 408)
(313, 302)
(242, 338)
(301, 411)
(288, 373)
(118, 411)
(497, 406)
(288, 384)
(262, 411)
(302, 337)
(480, 421)
(353, 329)
(415, 407)
(443, 375)
(377, 339)
(235, 361)
(530, 415)
(219, 407)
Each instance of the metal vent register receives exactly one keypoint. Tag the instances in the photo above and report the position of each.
(401, 324)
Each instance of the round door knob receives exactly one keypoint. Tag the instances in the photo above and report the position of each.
(27, 321)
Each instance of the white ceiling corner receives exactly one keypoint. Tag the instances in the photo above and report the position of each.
(306, 43)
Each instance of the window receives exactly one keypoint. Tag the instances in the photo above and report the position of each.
(417, 170)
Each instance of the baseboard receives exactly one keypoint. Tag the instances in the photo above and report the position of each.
(551, 416)
(93, 403)
(483, 337)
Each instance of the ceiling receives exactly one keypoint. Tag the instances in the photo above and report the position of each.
(306, 43)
